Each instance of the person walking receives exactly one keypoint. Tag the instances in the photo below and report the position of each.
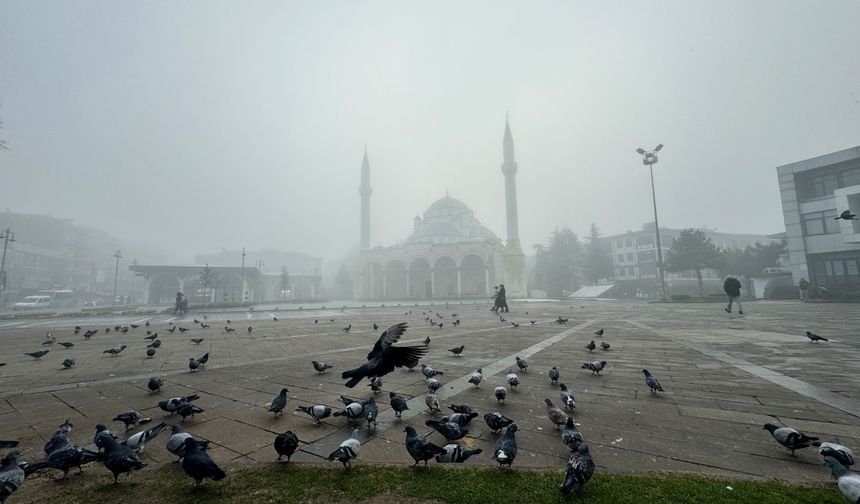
(495, 308)
(178, 307)
(732, 287)
(803, 287)
(502, 299)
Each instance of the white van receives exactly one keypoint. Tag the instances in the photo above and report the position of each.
(33, 303)
(48, 299)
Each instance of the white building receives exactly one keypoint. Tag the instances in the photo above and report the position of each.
(821, 249)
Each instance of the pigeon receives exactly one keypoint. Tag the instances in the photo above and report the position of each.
(67, 363)
(67, 344)
(170, 405)
(555, 414)
(227, 329)
(384, 356)
(452, 431)
(274, 318)
(204, 359)
(652, 382)
(427, 341)
(506, 447)
(147, 324)
(846, 215)
(591, 346)
(60, 438)
(598, 332)
(419, 448)
(595, 367)
(375, 327)
(229, 321)
(398, 403)
(604, 345)
(318, 412)
(841, 453)
(115, 350)
(316, 321)
(154, 384)
(500, 393)
(50, 340)
(39, 354)
(370, 411)
(433, 385)
(553, 375)
(101, 432)
(134, 326)
(456, 454)
(151, 336)
(460, 408)
(129, 418)
(523, 365)
(513, 379)
(567, 397)
(193, 364)
(790, 438)
(347, 451)
(429, 372)
(107, 330)
(154, 344)
(570, 435)
(375, 384)
(320, 367)
(183, 329)
(11, 475)
(580, 467)
(138, 441)
(204, 326)
(89, 333)
(347, 328)
(515, 325)
(119, 459)
(477, 377)
(279, 402)
(352, 411)
(814, 338)
(457, 350)
(172, 329)
(463, 419)
(187, 409)
(71, 456)
(150, 353)
(77, 329)
(198, 464)
(497, 421)
(176, 441)
(432, 402)
(286, 444)
(847, 481)
(197, 341)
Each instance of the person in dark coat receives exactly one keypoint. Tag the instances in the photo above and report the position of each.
(803, 287)
(732, 286)
(502, 300)
(495, 308)
(178, 307)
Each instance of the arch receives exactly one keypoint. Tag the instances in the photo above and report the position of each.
(395, 280)
(372, 273)
(445, 278)
(163, 288)
(473, 280)
(228, 288)
(420, 281)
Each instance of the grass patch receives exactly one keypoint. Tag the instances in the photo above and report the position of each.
(384, 484)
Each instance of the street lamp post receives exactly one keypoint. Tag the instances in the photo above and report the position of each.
(7, 236)
(118, 256)
(243, 274)
(649, 158)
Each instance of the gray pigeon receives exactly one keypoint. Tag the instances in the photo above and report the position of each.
(594, 367)
(398, 403)
(429, 372)
(841, 453)
(370, 411)
(580, 467)
(11, 475)
(115, 350)
(419, 448)
(456, 454)
(814, 338)
(286, 444)
(513, 379)
(462, 419)
(501, 393)
(318, 412)
(69, 457)
(477, 377)
(567, 397)
(496, 421)
(60, 438)
(193, 365)
(790, 438)
(553, 375)
(187, 409)
(591, 346)
(119, 459)
(460, 408)
(506, 447)
(351, 412)
(39, 354)
(347, 451)
(555, 414)
(150, 353)
(68, 362)
(457, 351)
(847, 481)
(154, 384)
(523, 365)
(176, 441)
(433, 385)
(570, 436)
(279, 402)
(170, 405)
(375, 384)
(450, 430)
(652, 382)
(129, 418)
(198, 464)
(320, 367)
(101, 433)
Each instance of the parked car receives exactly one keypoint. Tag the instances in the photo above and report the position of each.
(775, 271)
(33, 303)
(48, 299)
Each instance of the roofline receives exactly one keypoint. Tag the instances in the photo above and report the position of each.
(820, 161)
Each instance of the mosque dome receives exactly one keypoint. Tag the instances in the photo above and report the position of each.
(449, 220)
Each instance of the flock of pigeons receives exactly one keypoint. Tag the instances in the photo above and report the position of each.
(120, 456)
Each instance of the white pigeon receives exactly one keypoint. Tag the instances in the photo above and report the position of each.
(513, 379)
(841, 453)
(347, 451)
(138, 441)
(847, 481)
(477, 377)
(432, 401)
(176, 441)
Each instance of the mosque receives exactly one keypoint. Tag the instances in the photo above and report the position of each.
(449, 254)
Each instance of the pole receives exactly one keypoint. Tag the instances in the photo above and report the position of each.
(7, 236)
(243, 274)
(657, 229)
(118, 255)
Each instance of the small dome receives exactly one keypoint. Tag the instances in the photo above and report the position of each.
(449, 220)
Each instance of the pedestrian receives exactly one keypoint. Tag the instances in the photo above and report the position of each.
(732, 286)
(502, 299)
(178, 307)
(184, 304)
(803, 287)
(495, 308)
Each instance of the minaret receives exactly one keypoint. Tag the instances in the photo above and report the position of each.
(509, 169)
(365, 190)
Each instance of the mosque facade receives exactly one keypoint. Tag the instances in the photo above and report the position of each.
(449, 254)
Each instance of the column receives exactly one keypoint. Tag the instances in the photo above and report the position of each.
(384, 284)
(487, 279)
(146, 285)
(408, 283)
(432, 282)
(459, 283)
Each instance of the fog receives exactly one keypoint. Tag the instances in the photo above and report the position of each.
(197, 125)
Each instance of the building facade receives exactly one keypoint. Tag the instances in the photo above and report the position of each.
(821, 249)
(449, 254)
(634, 260)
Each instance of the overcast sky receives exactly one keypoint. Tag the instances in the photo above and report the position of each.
(196, 125)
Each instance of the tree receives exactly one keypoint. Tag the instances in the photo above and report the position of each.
(344, 280)
(751, 260)
(597, 262)
(692, 250)
(558, 265)
(285, 282)
(208, 280)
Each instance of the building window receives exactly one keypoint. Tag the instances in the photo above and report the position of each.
(620, 258)
(816, 186)
(619, 244)
(630, 257)
(629, 242)
(820, 223)
(835, 269)
(618, 272)
(851, 177)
